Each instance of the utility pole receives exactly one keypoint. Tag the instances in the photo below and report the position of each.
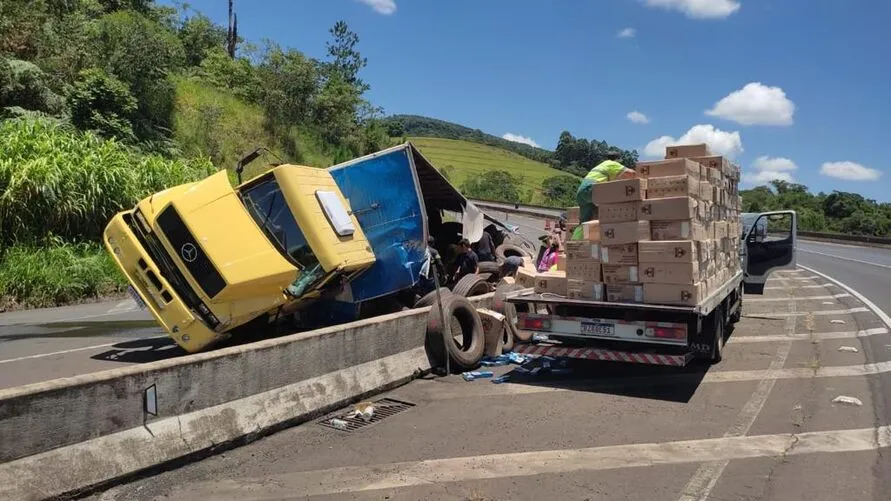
(232, 35)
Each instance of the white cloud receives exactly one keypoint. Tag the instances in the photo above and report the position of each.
(385, 7)
(699, 9)
(755, 104)
(767, 169)
(719, 142)
(520, 139)
(627, 33)
(849, 171)
(638, 117)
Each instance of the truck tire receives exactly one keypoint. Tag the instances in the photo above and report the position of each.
(459, 316)
(716, 333)
(509, 310)
(492, 268)
(736, 316)
(430, 297)
(505, 250)
(471, 285)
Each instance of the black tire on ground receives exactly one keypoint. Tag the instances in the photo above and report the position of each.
(493, 270)
(505, 250)
(430, 297)
(459, 318)
(716, 333)
(471, 285)
(509, 310)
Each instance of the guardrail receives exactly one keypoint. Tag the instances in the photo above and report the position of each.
(846, 238)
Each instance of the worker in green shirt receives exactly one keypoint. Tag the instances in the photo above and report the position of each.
(608, 170)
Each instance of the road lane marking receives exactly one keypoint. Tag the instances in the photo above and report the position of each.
(869, 304)
(707, 475)
(352, 479)
(835, 256)
(809, 286)
(73, 350)
(779, 315)
(797, 298)
(820, 336)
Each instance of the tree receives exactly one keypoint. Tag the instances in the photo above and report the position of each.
(560, 191)
(25, 85)
(347, 61)
(102, 103)
(290, 85)
(498, 185)
(232, 32)
(237, 75)
(199, 36)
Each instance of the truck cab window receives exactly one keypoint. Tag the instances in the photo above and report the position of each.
(267, 205)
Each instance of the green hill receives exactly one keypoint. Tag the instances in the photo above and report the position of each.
(463, 160)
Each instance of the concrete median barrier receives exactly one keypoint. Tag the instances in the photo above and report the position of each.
(71, 434)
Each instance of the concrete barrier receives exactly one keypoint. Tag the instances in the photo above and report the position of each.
(71, 434)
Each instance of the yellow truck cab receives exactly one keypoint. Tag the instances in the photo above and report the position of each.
(205, 258)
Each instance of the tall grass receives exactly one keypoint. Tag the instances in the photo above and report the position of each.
(54, 180)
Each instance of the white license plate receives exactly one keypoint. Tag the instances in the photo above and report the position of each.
(598, 329)
(135, 295)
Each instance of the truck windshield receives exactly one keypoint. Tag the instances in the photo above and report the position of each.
(268, 207)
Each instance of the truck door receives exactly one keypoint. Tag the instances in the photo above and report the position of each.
(769, 245)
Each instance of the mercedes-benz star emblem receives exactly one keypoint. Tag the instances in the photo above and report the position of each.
(189, 252)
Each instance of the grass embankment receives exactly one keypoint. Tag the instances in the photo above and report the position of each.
(461, 160)
(58, 190)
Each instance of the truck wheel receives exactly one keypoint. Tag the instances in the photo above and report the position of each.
(430, 297)
(471, 285)
(736, 316)
(509, 310)
(716, 329)
(507, 339)
(505, 250)
(459, 319)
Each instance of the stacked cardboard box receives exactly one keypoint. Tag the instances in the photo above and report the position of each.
(621, 231)
(583, 273)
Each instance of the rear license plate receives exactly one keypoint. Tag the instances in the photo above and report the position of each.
(135, 295)
(598, 329)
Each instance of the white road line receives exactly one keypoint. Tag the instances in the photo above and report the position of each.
(859, 309)
(869, 304)
(73, 350)
(809, 286)
(707, 475)
(351, 479)
(820, 336)
(835, 256)
(797, 298)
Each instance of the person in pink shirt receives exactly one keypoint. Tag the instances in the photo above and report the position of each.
(550, 257)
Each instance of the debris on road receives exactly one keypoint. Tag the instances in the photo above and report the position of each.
(836, 321)
(505, 359)
(502, 379)
(841, 399)
(848, 349)
(364, 410)
(470, 376)
(339, 424)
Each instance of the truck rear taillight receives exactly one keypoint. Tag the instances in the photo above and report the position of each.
(536, 323)
(667, 333)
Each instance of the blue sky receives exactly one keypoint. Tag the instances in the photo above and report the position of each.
(793, 89)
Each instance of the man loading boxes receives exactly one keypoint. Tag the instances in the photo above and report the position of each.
(608, 170)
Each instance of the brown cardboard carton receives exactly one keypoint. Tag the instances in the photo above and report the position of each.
(672, 186)
(619, 274)
(526, 277)
(619, 254)
(727, 245)
(675, 167)
(582, 249)
(687, 151)
(705, 250)
(625, 190)
(714, 162)
(591, 230)
(706, 191)
(624, 293)
(673, 294)
(561, 261)
(668, 251)
(669, 273)
(618, 213)
(678, 230)
(716, 177)
(624, 233)
(573, 216)
(584, 289)
(721, 230)
(583, 269)
(711, 268)
(552, 282)
(669, 209)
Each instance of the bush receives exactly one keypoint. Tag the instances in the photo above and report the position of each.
(56, 273)
(24, 85)
(58, 181)
(102, 103)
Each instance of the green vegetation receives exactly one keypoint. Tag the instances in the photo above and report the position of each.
(836, 212)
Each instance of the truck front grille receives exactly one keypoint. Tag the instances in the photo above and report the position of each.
(190, 252)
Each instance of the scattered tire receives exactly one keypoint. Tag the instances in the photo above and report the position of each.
(459, 319)
(503, 251)
(471, 285)
(492, 270)
(430, 297)
(509, 310)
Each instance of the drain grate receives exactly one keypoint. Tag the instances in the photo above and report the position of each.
(383, 409)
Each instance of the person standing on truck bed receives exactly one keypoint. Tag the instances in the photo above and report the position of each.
(608, 170)
(466, 262)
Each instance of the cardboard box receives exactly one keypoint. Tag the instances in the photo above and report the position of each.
(669, 209)
(573, 216)
(662, 168)
(678, 230)
(584, 289)
(716, 177)
(726, 245)
(582, 249)
(618, 213)
(687, 151)
(620, 274)
(714, 162)
(668, 251)
(591, 230)
(552, 282)
(583, 269)
(674, 294)
(624, 293)
(624, 233)
(721, 230)
(706, 191)
(669, 273)
(561, 261)
(705, 250)
(619, 254)
(625, 190)
(526, 277)
(672, 186)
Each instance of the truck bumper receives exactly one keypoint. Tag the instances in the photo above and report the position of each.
(603, 355)
(160, 298)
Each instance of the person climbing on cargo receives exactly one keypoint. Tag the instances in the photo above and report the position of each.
(466, 262)
(608, 170)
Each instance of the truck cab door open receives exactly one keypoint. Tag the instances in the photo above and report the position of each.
(770, 248)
